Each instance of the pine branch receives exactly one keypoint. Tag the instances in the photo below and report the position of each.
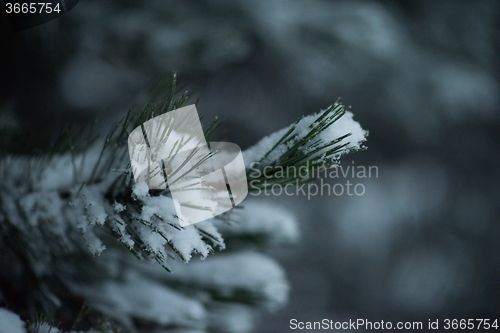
(312, 144)
(81, 196)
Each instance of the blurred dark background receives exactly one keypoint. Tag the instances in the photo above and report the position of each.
(422, 76)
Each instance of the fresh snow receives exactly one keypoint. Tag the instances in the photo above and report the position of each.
(346, 124)
(275, 224)
(140, 298)
(44, 199)
(227, 274)
(10, 322)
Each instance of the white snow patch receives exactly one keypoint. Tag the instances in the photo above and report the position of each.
(263, 218)
(118, 207)
(10, 322)
(253, 272)
(346, 124)
(139, 297)
(95, 211)
(45, 328)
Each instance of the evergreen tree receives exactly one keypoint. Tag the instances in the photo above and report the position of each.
(83, 248)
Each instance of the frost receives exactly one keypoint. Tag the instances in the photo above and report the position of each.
(118, 225)
(62, 206)
(57, 197)
(184, 240)
(209, 230)
(95, 210)
(189, 240)
(94, 244)
(10, 322)
(345, 125)
(139, 192)
(118, 207)
(157, 206)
